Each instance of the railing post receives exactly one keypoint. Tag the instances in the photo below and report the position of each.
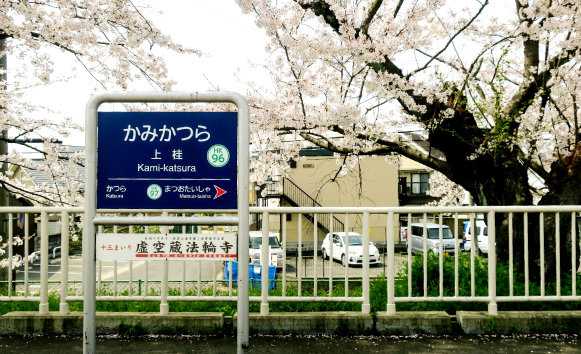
(164, 306)
(366, 307)
(10, 240)
(43, 306)
(391, 265)
(492, 305)
(64, 305)
(264, 265)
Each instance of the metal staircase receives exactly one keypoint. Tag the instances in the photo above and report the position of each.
(296, 197)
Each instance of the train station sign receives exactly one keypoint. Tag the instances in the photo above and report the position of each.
(167, 160)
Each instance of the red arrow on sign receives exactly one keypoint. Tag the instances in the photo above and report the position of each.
(219, 191)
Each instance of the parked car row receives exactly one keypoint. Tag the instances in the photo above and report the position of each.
(353, 255)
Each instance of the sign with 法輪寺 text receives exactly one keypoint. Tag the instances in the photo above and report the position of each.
(134, 247)
(167, 160)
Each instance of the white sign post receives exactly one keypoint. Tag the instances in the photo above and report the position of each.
(217, 157)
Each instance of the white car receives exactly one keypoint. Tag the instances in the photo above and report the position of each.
(433, 238)
(481, 231)
(355, 249)
(274, 249)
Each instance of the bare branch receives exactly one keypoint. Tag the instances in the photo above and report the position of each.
(451, 40)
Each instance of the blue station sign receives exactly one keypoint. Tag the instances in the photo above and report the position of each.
(167, 160)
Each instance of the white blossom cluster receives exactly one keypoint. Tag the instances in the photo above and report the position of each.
(333, 85)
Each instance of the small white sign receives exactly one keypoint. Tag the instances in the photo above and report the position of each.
(135, 247)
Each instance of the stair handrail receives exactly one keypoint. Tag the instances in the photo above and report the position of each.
(338, 225)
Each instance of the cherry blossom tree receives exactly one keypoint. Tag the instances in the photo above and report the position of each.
(493, 88)
(111, 42)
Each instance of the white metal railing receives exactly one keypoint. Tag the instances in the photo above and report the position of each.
(307, 282)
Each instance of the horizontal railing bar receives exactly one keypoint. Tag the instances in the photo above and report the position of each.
(443, 299)
(160, 220)
(177, 211)
(309, 299)
(221, 298)
(20, 298)
(418, 210)
(304, 298)
(297, 210)
(37, 210)
(537, 298)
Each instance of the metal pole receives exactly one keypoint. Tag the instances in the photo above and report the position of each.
(89, 297)
(492, 305)
(391, 265)
(243, 214)
(264, 262)
(163, 305)
(4, 167)
(64, 305)
(43, 306)
(366, 307)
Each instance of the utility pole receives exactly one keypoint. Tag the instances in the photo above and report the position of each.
(4, 167)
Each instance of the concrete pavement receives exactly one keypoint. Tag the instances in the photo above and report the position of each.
(265, 344)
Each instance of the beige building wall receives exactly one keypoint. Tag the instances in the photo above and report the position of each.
(408, 164)
(377, 187)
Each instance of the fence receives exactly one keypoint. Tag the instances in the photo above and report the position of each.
(304, 276)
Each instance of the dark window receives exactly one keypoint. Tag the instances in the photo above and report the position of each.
(420, 183)
(434, 233)
(417, 231)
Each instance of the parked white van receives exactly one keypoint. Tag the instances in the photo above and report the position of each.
(481, 231)
(275, 255)
(433, 232)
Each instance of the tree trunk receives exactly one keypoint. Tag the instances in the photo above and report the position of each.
(498, 177)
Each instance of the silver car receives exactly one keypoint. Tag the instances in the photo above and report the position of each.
(433, 238)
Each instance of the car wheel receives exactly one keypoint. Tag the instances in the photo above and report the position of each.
(343, 261)
(324, 254)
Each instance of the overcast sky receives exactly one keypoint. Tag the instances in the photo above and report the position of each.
(217, 27)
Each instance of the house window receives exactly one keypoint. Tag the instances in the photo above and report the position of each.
(420, 183)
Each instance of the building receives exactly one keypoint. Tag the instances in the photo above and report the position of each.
(315, 180)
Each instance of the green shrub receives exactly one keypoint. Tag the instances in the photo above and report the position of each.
(378, 291)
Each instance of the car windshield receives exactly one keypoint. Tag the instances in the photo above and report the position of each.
(255, 242)
(354, 240)
(434, 233)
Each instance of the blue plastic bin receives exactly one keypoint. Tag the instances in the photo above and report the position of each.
(234, 271)
(255, 279)
(258, 277)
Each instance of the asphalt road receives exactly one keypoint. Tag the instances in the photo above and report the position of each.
(566, 344)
